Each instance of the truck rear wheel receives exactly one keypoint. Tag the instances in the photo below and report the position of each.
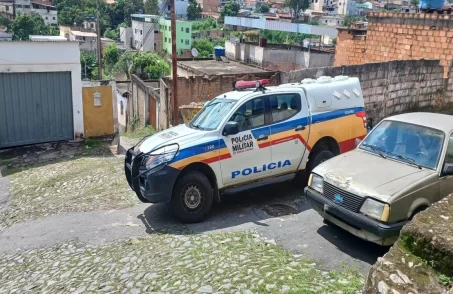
(192, 197)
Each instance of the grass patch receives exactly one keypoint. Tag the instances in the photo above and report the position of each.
(139, 133)
(229, 263)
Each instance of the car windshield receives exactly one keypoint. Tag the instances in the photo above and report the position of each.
(212, 114)
(413, 144)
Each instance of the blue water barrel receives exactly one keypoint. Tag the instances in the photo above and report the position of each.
(431, 4)
(219, 51)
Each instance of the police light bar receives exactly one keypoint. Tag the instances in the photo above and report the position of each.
(251, 84)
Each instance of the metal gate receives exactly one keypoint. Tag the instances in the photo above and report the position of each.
(35, 108)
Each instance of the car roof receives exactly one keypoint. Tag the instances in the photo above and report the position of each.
(239, 94)
(438, 121)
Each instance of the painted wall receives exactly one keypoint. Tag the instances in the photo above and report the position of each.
(98, 117)
(122, 121)
(183, 35)
(48, 57)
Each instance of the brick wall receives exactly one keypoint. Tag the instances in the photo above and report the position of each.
(198, 88)
(401, 36)
(393, 87)
(349, 49)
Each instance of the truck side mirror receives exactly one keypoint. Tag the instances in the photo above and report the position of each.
(448, 169)
(231, 128)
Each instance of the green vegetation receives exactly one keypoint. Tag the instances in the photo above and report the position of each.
(446, 281)
(204, 25)
(139, 133)
(230, 9)
(88, 64)
(349, 19)
(152, 7)
(111, 57)
(204, 47)
(4, 22)
(147, 65)
(194, 10)
(275, 37)
(297, 7)
(25, 25)
(264, 7)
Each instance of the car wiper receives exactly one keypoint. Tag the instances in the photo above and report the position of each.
(376, 149)
(407, 159)
(198, 127)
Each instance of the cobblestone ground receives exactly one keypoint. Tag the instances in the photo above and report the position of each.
(83, 184)
(223, 263)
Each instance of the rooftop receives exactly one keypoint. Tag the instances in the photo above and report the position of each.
(213, 67)
(83, 34)
(47, 38)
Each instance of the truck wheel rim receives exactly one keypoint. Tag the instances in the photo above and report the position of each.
(192, 197)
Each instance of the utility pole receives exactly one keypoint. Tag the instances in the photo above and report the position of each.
(174, 60)
(98, 32)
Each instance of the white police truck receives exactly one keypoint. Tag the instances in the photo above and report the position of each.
(252, 136)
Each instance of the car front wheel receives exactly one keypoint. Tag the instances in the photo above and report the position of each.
(192, 197)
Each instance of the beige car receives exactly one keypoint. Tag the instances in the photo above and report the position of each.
(401, 167)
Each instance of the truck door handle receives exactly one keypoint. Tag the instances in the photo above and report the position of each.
(300, 128)
(262, 138)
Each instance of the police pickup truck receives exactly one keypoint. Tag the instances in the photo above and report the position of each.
(249, 137)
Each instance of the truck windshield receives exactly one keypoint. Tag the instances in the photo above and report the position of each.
(409, 143)
(212, 114)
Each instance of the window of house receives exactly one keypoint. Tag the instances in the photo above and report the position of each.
(250, 115)
(26, 6)
(121, 107)
(53, 18)
(187, 30)
(165, 39)
(47, 18)
(156, 32)
(326, 20)
(284, 106)
(187, 42)
(92, 25)
(141, 32)
(182, 41)
(182, 29)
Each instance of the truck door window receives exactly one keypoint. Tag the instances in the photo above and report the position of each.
(284, 106)
(250, 115)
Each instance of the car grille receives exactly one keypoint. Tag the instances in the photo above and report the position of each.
(350, 201)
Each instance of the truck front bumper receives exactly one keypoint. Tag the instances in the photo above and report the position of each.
(151, 186)
(355, 223)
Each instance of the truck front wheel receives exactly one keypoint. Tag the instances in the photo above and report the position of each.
(192, 197)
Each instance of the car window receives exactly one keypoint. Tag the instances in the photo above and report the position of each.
(212, 114)
(284, 106)
(449, 153)
(250, 115)
(406, 142)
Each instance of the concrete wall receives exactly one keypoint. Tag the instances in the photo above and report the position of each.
(142, 36)
(122, 117)
(392, 87)
(48, 57)
(402, 36)
(278, 58)
(126, 36)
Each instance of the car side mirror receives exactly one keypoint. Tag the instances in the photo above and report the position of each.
(231, 128)
(357, 142)
(448, 169)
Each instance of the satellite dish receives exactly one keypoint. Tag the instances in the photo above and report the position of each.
(194, 52)
(3, 29)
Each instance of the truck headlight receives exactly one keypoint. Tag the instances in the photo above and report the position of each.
(160, 156)
(375, 209)
(316, 183)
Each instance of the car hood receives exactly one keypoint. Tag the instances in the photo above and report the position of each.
(181, 134)
(366, 174)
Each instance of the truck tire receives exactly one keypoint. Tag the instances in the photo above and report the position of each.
(316, 159)
(192, 197)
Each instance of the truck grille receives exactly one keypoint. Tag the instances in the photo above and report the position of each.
(349, 201)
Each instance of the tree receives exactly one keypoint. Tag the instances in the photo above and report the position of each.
(264, 7)
(147, 65)
(111, 34)
(194, 10)
(132, 7)
(415, 2)
(231, 8)
(297, 6)
(4, 22)
(152, 7)
(88, 64)
(204, 47)
(25, 25)
(111, 57)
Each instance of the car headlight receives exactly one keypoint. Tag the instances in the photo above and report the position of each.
(160, 156)
(316, 183)
(375, 209)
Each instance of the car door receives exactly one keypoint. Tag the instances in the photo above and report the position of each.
(446, 181)
(289, 130)
(248, 148)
